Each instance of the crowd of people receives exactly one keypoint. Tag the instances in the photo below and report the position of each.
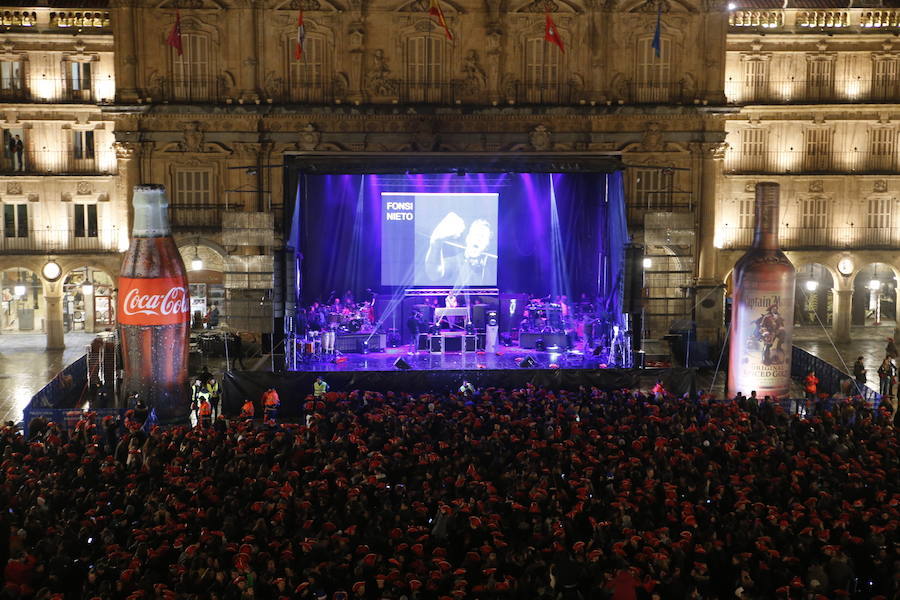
(490, 494)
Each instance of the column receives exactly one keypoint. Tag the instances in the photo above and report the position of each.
(709, 291)
(125, 38)
(55, 333)
(129, 175)
(897, 317)
(840, 319)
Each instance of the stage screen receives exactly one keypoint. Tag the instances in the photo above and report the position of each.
(441, 239)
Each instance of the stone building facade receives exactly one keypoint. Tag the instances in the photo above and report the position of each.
(738, 94)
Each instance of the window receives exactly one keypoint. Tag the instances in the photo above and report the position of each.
(307, 75)
(78, 79)
(191, 79)
(193, 204)
(542, 71)
(425, 57)
(819, 79)
(814, 213)
(746, 217)
(818, 149)
(11, 78)
(85, 220)
(882, 149)
(879, 213)
(885, 77)
(15, 220)
(654, 73)
(83, 144)
(753, 149)
(756, 79)
(653, 189)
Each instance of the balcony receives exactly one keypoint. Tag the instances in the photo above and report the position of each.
(856, 20)
(59, 162)
(47, 90)
(844, 91)
(196, 216)
(43, 241)
(812, 238)
(195, 89)
(792, 161)
(49, 20)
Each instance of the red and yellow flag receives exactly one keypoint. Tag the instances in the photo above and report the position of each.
(174, 38)
(301, 36)
(435, 10)
(551, 33)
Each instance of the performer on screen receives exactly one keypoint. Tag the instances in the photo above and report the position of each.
(466, 263)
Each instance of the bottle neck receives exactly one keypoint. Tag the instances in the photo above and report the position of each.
(766, 235)
(151, 216)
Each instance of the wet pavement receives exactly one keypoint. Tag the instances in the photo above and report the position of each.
(26, 366)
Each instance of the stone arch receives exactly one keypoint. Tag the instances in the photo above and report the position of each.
(88, 297)
(874, 304)
(23, 298)
(813, 296)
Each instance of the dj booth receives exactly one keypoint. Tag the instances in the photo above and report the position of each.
(449, 342)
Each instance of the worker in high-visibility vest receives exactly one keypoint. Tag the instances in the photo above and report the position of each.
(320, 388)
(205, 411)
(248, 410)
(271, 402)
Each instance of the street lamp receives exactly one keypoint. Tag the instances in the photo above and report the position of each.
(812, 285)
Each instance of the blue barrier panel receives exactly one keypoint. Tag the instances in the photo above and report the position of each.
(830, 377)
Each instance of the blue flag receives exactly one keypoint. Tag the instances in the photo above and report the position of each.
(657, 35)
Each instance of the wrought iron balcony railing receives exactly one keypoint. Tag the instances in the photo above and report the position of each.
(793, 161)
(810, 238)
(196, 216)
(58, 241)
(58, 162)
(739, 91)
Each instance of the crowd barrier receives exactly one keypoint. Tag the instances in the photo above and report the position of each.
(830, 377)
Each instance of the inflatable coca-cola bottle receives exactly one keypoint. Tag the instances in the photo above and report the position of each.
(154, 311)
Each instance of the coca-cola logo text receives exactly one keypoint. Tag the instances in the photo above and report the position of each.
(173, 301)
(153, 301)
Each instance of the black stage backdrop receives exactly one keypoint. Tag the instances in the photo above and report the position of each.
(293, 388)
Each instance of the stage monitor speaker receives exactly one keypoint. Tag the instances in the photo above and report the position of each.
(492, 318)
(470, 343)
(422, 342)
(402, 364)
(478, 312)
(436, 344)
(528, 363)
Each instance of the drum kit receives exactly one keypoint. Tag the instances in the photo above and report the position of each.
(543, 317)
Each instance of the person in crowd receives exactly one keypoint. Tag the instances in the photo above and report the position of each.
(529, 494)
(197, 388)
(859, 371)
(204, 412)
(810, 387)
(886, 374)
(248, 411)
(891, 348)
(467, 389)
(212, 391)
(270, 402)
(320, 388)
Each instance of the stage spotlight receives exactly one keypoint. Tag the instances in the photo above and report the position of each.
(402, 365)
(528, 363)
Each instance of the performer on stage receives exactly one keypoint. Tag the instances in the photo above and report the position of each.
(450, 301)
(462, 264)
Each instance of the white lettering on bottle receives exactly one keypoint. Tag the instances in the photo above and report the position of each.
(172, 302)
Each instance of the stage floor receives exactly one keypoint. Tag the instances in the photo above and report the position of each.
(506, 357)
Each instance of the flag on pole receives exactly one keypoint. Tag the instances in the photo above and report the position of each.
(434, 10)
(174, 38)
(551, 33)
(657, 35)
(301, 36)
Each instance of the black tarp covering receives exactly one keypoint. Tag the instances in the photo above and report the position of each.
(293, 388)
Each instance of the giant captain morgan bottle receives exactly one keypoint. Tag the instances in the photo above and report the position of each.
(154, 310)
(762, 317)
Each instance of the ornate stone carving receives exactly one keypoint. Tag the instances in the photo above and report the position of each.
(309, 138)
(124, 150)
(84, 188)
(540, 138)
(653, 139)
(425, 136)
(193, 137)
(65, 197)
(33, 198)
(540, 6)
(305, 5)
(14, 188)
(475, 76)
(378, 82)
(880, 185)
(817, 186)
(750, 187)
